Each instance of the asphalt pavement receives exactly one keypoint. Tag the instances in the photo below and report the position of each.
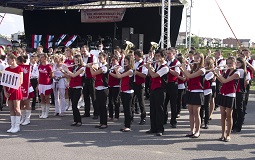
(54, 138)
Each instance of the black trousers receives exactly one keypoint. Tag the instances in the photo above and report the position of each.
(238, 111)
(205, 109)
(217, 90)
(126, 99)
(1, 97)
(138, 94)
(114, 98)
(246, 97)
(147, 86)
(179, 100)
(101, 96)
(75, 94)
(171, 94)
(156, 110)
(34, 83)
(89, 91)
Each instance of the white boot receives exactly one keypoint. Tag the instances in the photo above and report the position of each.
(46, 112)
(80, 103)
(17, 125)
(13, 120)
(67, 104)
(43, 111)
(27, 120)
(23, 116)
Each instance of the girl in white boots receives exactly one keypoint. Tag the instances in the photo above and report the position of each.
(45, 87)
(14, 95)
(27, 91)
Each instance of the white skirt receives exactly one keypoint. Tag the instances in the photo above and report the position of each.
(44, 89)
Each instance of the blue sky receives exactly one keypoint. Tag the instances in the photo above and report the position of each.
(207, 20)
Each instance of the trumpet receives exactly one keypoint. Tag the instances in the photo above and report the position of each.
(129, 46)
(154, 46)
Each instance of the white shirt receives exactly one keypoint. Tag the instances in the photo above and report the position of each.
(222, 63)
(95, 52)
(164, 70)
(35, 71)
(177, 69)
(3, 65)
(144, 69)
(61, 83)
(208, 77)
(104, 70)
(94, 61)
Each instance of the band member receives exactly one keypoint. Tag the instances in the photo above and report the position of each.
(14, 95)
(207, 81)
(114, 90)
(3, 65)
(220, 62)
(118, 52)
(190, 58)
(172, 87)
(27, 91)
(158, 75)
(251, 69)
(227, 97)
(138, 84)
(238, 111)
(195, 97)
(148, 58)
(75, 87)
(45, 87)
(59, 85)
(89, 83)
(101, 86)
(181, 87)
(125, 75)
(34, 78)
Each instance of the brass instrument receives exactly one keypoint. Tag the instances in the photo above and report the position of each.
(129, 46)
(154, 46)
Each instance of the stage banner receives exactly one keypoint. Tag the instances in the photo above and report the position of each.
(102, 15)
(10, 79)
(26, 80)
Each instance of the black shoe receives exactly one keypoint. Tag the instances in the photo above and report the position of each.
(159, 134)
(103, 127)
(137, 112)
(178, 116)
(196, 135)
(189, 135)
(206, 126)
(142, 122)
(173, 126)
(86, 115)
(149, 132)
(95, 117)
(33, 108)
(74, 124)
(78, 124)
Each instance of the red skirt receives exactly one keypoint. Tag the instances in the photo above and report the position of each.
(16, 94)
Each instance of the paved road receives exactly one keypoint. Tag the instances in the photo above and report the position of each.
(54, 138)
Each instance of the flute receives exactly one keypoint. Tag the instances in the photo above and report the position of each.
(178, 65)
(146, 63)
(216, 68)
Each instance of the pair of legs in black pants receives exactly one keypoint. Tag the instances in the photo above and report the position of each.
(101, 104)
(34, 83)
(179, 100)
(126, 99)
(89, 91)
(156, 110)
(246, 97)
(138, 93)
(238, 112)
(75, 94)
(171, 94)
(114, 98)
(205, 110)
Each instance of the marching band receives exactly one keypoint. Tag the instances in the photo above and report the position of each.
(128, 77)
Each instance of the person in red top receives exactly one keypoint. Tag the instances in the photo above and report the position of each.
(114, 90)
(14, 95)
(44, 87)
(195, 97)
(227, 96)
(125, 75)
(158, 73)
(27, 92)
(101, 86)
(75, 87)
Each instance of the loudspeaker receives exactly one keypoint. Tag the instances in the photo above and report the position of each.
(126, 32)
(137, 39)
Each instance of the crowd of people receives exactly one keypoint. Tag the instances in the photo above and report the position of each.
(68, 76)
